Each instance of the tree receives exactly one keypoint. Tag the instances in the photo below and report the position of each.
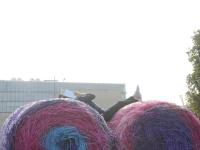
(193, 80)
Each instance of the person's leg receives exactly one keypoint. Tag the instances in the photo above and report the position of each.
(95, 106)
(109, 113)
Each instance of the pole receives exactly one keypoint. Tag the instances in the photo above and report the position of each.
(181, 97)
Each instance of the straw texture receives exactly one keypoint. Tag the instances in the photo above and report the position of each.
(55, 124)
(156, 125)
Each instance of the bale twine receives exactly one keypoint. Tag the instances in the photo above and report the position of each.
(156, 125)
(55, 124)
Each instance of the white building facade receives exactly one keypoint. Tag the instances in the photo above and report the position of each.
(15, 93)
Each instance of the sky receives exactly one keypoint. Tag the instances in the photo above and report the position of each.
(108, 41)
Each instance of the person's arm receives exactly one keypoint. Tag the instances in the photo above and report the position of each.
(84, 97)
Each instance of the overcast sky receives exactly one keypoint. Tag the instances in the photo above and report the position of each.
(108, 41)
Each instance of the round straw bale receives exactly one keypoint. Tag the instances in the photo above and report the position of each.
(156, 125)
(55, 124)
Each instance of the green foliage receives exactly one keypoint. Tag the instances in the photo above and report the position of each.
(193, 80)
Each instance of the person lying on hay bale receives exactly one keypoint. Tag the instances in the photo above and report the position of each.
(109, 113)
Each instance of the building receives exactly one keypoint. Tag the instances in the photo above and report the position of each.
(16, 92)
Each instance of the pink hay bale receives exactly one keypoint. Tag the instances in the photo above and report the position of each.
(126, 119)
(45, 116)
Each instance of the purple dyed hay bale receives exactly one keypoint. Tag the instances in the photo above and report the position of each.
(55, 124)
(156, 125)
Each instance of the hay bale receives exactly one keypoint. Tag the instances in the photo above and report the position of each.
(156, 125)
(55, 124)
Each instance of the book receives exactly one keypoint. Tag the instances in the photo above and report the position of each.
(67, 93)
